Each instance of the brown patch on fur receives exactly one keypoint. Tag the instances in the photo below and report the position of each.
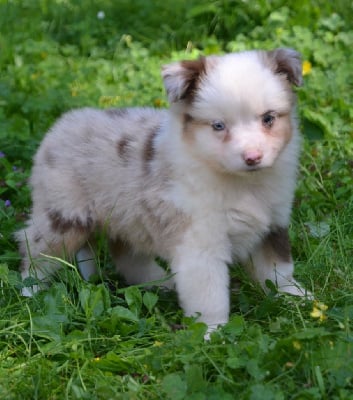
(153, 215)
(187, 119)
(63, 225)
(122, 147)
(278, 241)
(193, 72)
(149, 151)
(227, 136)
(190, 125)
(286, 62)
(164, 218)
(116, 112)
(117, 246)
(282, 127)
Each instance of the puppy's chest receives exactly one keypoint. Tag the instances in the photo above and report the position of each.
(247, 215)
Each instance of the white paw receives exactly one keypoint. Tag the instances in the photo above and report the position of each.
(296, 290)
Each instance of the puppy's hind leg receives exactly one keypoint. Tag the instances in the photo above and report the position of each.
(44, 236)
(138, 268)
(86, 261)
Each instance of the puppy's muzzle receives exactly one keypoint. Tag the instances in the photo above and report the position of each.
(252, 157)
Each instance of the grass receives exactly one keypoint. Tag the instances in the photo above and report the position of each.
(102, 340)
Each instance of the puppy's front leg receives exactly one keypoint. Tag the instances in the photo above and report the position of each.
(272, 260)
(202, 283)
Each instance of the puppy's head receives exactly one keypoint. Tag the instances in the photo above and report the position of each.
(237, 109)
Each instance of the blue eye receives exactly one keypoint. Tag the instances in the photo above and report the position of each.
(218, 125)
(268, 119)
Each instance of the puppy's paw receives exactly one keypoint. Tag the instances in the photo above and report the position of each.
(28, 291)
(210, 329)
(295, 289)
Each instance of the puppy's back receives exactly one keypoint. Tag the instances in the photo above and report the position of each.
(90, 156)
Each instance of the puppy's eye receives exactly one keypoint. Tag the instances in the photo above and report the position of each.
(218, 125)
(268, 119)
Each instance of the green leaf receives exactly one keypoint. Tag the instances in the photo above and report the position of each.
(133, 298)
(194, 378)
(174, 387)
(47, 327)
(235, 362)
(317, 229)
(94, 300)
(4, 272)
(14, 278)
(116, 363)
(310, 333)
(119, 312)
(315, 126)
(84, 299)
(235, 326)
(312, 130)
(254, 370)
(202, 9)
(50, 323)
(150, 300)
(265, 392)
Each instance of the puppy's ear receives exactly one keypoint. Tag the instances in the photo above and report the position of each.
(181, 79)
(287, 62)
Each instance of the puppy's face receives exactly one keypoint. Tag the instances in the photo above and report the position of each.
(236, 109)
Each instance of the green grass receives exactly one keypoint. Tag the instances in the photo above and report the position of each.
(102, 340)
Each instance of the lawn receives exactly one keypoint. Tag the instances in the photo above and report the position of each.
(103, 340)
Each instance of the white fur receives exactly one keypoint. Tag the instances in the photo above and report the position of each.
(188, 196)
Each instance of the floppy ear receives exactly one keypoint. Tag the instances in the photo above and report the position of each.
(181, 79)
(287, 62)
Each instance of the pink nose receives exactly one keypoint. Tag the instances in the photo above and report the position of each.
(252, 157)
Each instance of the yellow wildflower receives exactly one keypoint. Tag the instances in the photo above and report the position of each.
(109, 101)
(319, 311)
(157, 102)
(307, 67)
(157, 343)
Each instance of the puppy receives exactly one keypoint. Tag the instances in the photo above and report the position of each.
(206, 183)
